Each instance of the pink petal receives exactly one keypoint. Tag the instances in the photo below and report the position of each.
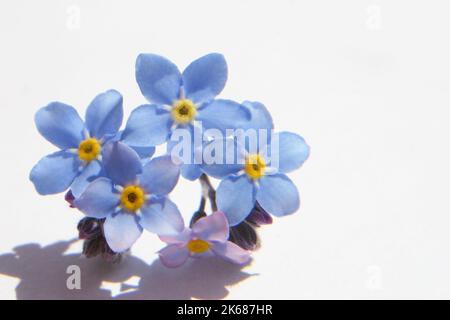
(231, 252)
(173, 255)
(180, 238)
(212, 228)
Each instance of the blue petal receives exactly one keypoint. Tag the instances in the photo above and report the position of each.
(191, 171)
(258, 130)
(55, 173)
(222, 157)
(292, 151)
(121, 163)
(278, 195)
(161, 216)
(105, 114)
(184, 137)
(143, 152)
(222, 115)
(148, 125)
(160, 175)
(91, 172)
(205, 77)
(236, 198)
(60, 124)
(99, 199)
(121, 231)
(158, 78)
(260, 117)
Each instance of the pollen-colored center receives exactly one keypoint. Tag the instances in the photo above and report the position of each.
(184, 111)
(89, 149)
(198, 246)
(255, 166)
(132, 198)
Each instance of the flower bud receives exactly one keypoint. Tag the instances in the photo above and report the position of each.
(258, 216)
(88, 228)
(245, 236)
(70, 198)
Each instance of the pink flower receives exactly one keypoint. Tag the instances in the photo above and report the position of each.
(208, 236)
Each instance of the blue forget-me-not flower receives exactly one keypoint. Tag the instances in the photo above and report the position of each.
(80, 143)
(181, 100)
(253, 176)
(132, 197)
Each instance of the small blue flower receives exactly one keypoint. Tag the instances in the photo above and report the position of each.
(253, 177)
(79, 160)
(132, 197)
(181, 100)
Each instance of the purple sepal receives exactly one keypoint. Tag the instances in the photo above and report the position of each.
(258, 216)
(70, 198)
(245, 236)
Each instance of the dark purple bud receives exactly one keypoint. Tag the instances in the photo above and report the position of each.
(92, 247)
(70, 198)
(89, 228)
(245, 236)
(258, 216)
(109, 255)
(97, 245)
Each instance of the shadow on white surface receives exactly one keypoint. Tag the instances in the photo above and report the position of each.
(43, 275)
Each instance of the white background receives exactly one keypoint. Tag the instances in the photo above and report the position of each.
(367, 83)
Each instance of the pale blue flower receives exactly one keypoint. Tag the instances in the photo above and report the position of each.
(132, 197)
(252, 177)
(181, 100)
(80, 144)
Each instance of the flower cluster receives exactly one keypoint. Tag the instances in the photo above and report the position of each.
(111, 176)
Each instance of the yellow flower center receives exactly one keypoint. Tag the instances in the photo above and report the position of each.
(198, 246)
(184, 111)
(132, 198)
(89, 149)
(255, 166)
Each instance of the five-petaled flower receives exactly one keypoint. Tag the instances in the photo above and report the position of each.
(207, 237)
(254, 177)
(79, 160)
(181, 100)
(132, 197)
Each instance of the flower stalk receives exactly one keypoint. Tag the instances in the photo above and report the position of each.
(244, 234)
